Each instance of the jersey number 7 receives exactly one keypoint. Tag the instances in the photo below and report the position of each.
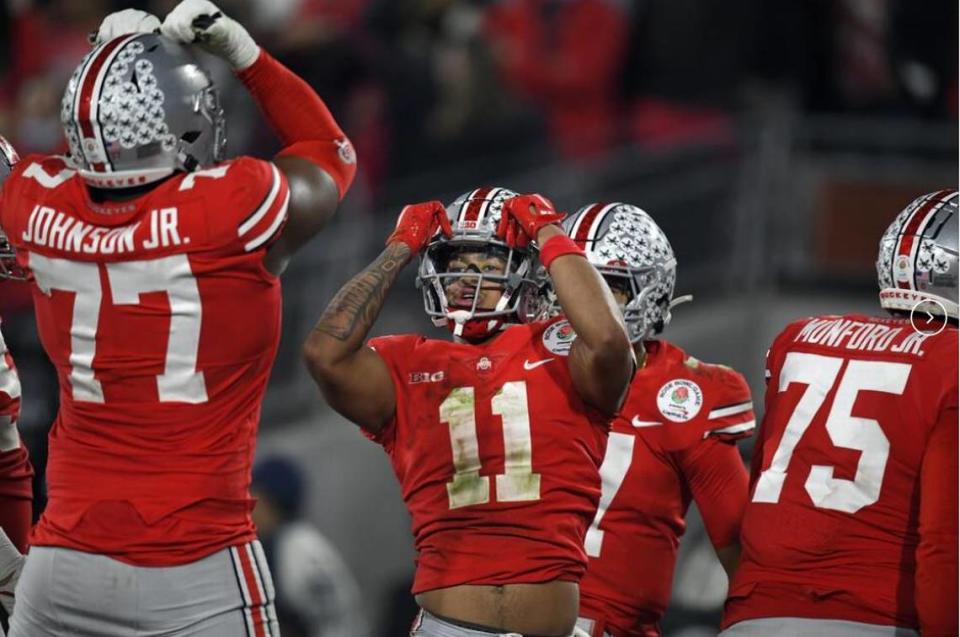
(819, 374)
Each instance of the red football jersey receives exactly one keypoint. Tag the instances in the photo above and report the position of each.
(672, 442)
(162, 324)
(496, 454)
(16, 473)
(832, 528)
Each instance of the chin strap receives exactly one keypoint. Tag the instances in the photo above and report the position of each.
(459, 318)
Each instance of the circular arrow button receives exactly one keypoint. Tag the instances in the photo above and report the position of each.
(926, 322)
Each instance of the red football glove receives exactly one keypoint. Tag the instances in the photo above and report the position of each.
(522, 218)
(418, 223)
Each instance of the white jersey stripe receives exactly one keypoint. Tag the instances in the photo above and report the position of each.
(253, 244)
(255, 218)
(732, 429)
(731, 410)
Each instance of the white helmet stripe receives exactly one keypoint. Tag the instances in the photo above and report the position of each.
(916, 244)
(908, 243)
(486, 204)
(100, 61)
(598, 221)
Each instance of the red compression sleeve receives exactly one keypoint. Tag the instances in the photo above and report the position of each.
(936, 576)
(717, 479)
(300, 118)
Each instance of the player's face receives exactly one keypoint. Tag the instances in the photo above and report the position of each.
(620, 286)
(462, 291)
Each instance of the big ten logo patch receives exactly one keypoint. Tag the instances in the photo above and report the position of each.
(425, 377)
(680, 400)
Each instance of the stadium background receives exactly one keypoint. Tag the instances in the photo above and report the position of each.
(772, 140)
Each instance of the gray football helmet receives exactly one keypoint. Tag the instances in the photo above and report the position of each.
(138, 108)
(634, 255)
(918, 261)
(474, 217)
(9, 268)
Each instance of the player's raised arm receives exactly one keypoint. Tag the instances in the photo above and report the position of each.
(353, 378)
(318, 159)
(601, 359)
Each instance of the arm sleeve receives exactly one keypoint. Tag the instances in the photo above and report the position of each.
(936, 576)
(717, 479)
(301, 119)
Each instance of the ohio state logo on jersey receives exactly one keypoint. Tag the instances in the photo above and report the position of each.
(559, 338)
(680, 400)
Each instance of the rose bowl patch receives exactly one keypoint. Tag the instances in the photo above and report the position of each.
(680, 400)
(559, 338)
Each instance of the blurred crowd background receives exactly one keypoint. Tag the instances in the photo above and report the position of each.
(773, 140)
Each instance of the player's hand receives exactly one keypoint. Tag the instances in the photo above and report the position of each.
(523, 217)
(123, 23)
(418, 223)
(11, 563)
(201, 22)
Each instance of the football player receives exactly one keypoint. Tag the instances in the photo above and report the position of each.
(673, 441)
(851, 528)
(16, 473)
(155, 266)
(496, 437)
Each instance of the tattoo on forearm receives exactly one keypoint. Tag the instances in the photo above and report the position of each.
(357, 304)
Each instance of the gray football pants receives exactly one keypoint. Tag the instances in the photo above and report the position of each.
(65, 593)
(800, 627)
(427, 625)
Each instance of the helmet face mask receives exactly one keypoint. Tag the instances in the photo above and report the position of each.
(473, 278)
(917, 264)
(474, 217)
(139, 108)
(640, 287)
(9, 267)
